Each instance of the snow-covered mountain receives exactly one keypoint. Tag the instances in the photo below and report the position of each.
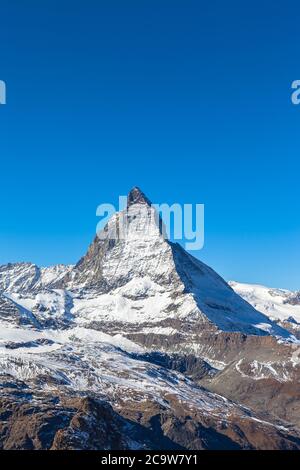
(277, 304)
(134, 279)
(23, 277)
(140, 323)
(280, 305)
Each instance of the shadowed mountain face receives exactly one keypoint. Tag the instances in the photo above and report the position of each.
(141, 324)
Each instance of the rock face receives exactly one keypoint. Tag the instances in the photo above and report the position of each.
(92, 424)
(130, 340)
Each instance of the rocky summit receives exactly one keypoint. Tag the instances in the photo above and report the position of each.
(142, 346)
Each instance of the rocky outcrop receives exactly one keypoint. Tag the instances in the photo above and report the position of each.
(74, 423)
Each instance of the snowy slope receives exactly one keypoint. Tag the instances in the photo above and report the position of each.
(86, 361)
(277, 304)
(23, 277)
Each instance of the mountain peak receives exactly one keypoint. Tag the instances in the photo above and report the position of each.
(136, 196)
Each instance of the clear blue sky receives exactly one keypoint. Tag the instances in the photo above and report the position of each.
(190, 100)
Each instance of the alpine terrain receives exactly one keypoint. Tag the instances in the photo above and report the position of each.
(142, 346)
